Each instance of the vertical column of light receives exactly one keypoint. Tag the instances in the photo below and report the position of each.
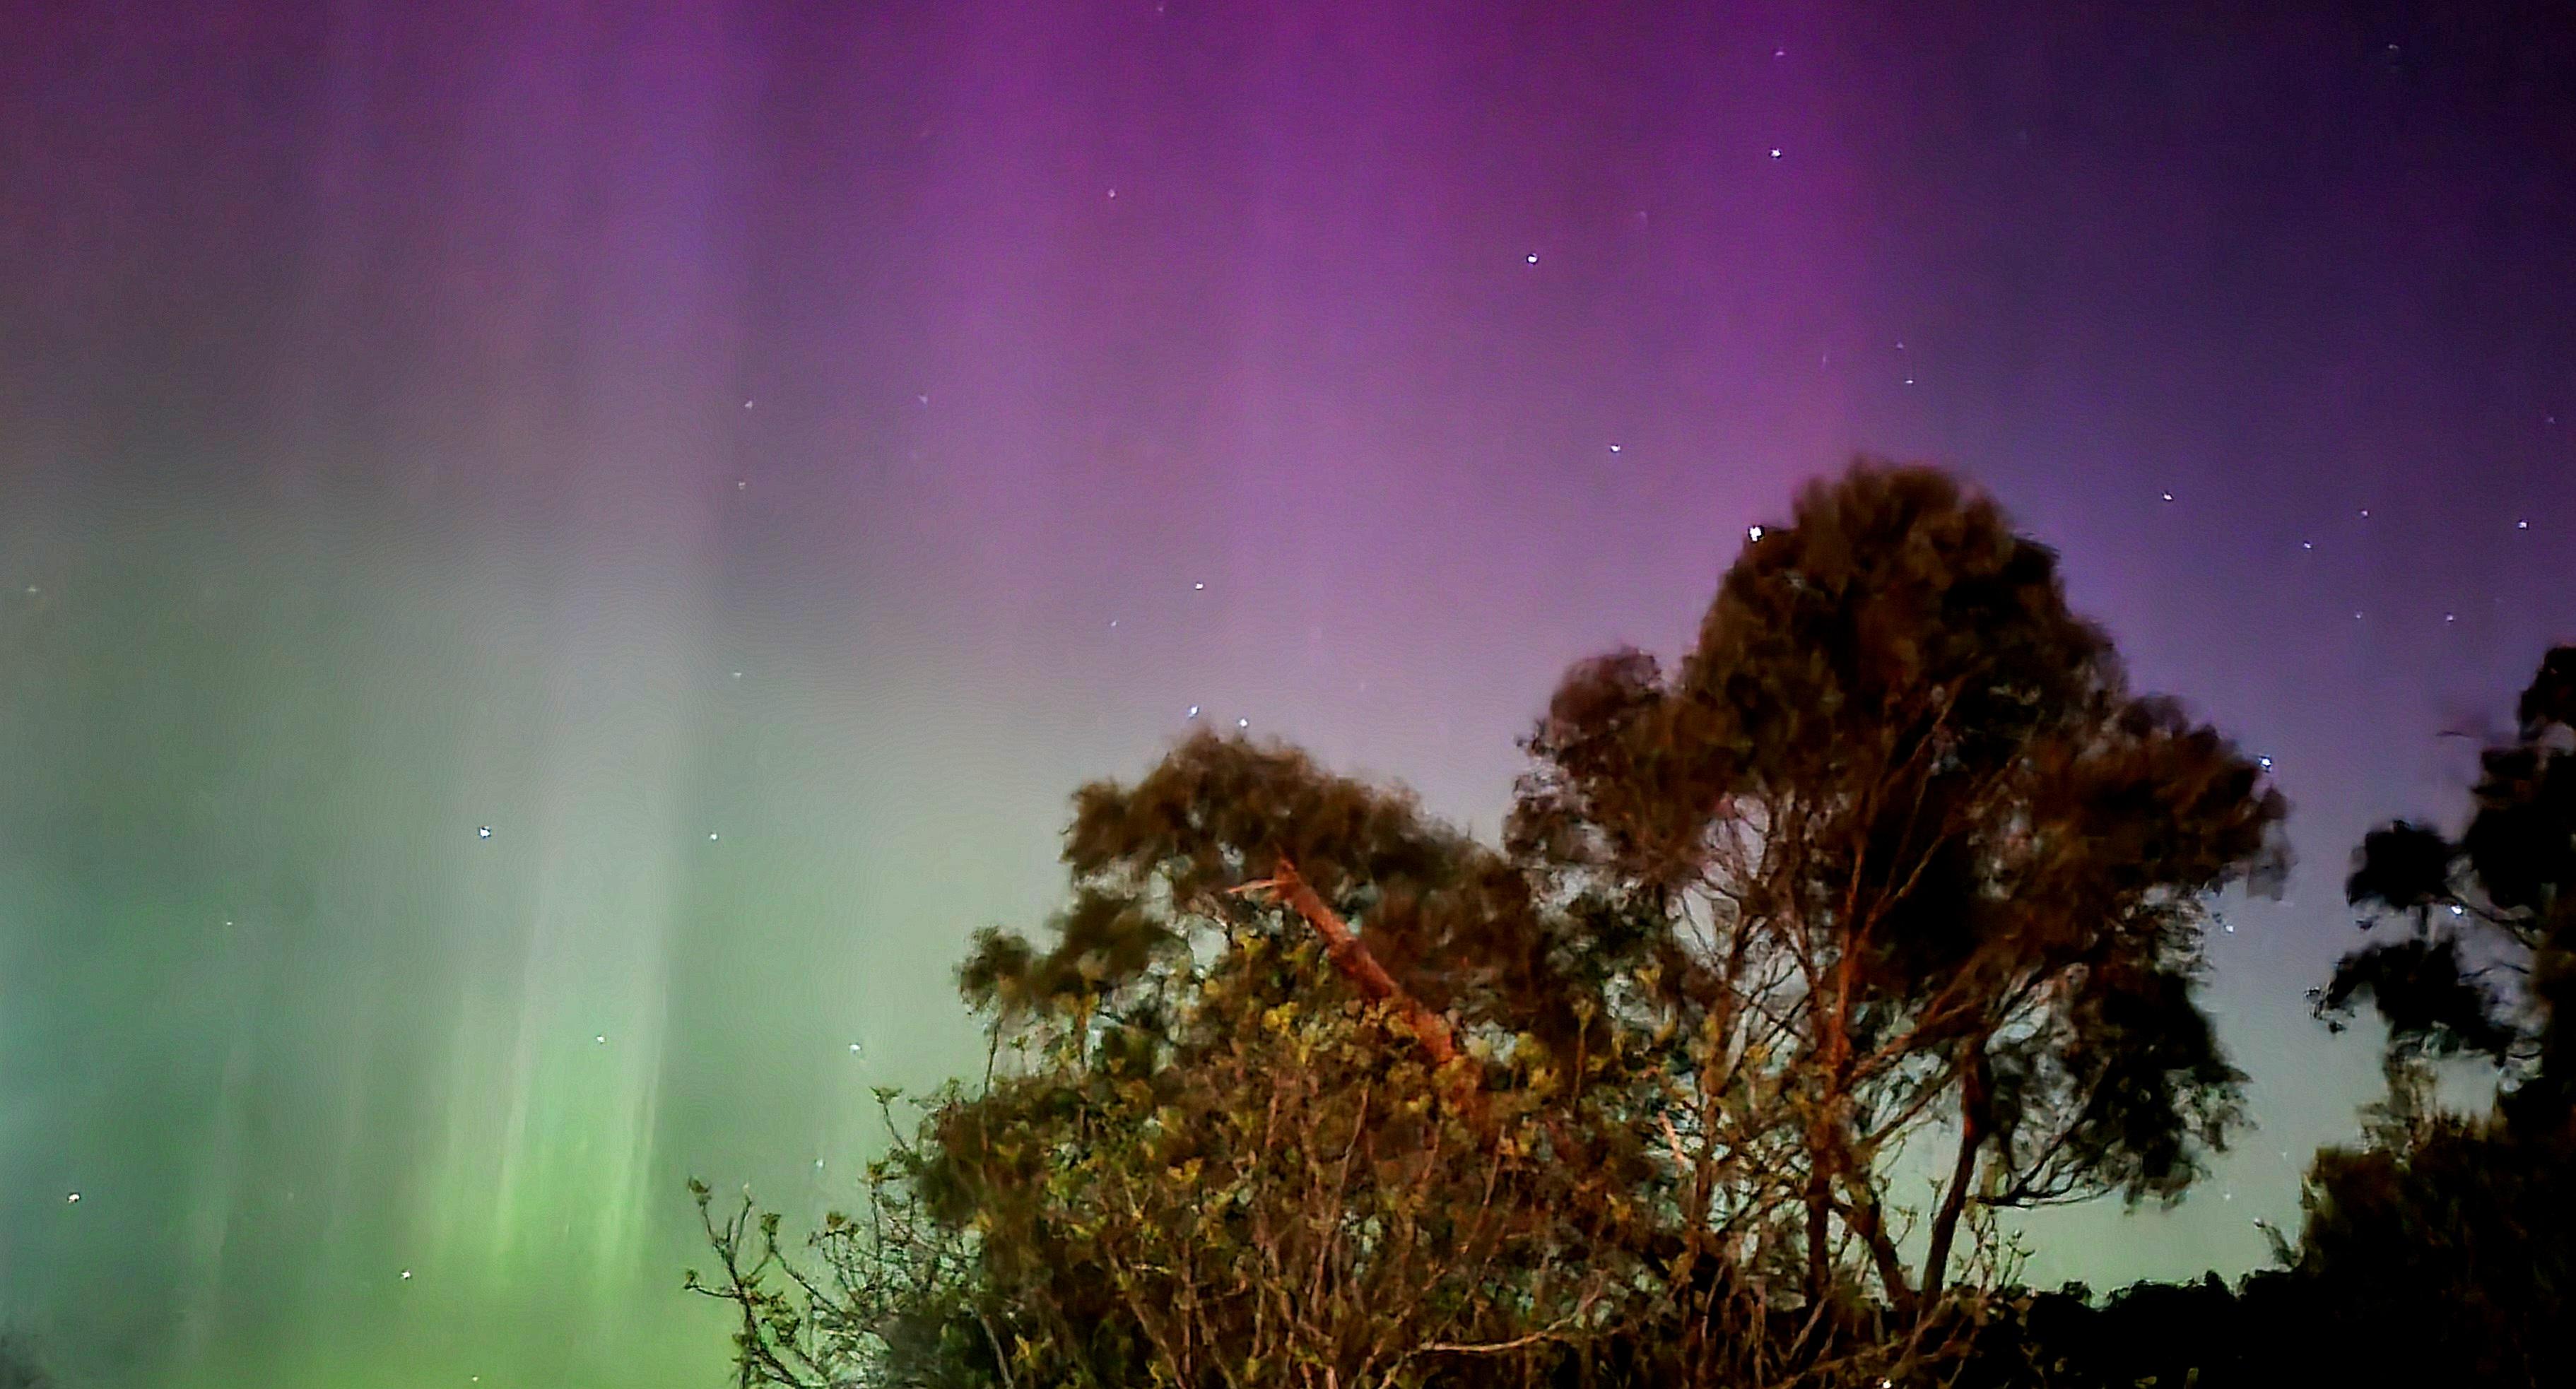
(656, 314)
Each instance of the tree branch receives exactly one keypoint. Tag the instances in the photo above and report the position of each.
(1352, 958)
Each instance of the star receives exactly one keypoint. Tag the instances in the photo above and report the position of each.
(1196, 588)
(1243, 723)
(72, 1200)
(2267, 763)
(1194, 711)
(1753, 532)
(854, 1048)
(1533, 257)
(711, 836)
(406, 1275)
(746, 405)
(601, 1039)
(2168, 496)
(1614, 448)
(1775, 151)
(2365, 513)
(2522, 525)
(483, 832)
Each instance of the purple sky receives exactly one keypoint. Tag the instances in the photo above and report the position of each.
(412, 417)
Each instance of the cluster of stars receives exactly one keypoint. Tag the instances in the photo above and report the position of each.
(2521, 523)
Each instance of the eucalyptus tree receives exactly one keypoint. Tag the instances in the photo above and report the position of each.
(1304, 1087)
(2484, 960)
(1896, 853)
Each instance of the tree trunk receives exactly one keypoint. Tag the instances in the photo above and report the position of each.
(1973, 1131)
(1882, 1249)
(1820, 1233)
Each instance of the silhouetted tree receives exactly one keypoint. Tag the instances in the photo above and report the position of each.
(1305, 1088)
(2260, 1334)
(1896, 845)
(2442, 1248)
(893, 1297)
(2444, 1244)
(2488, 958)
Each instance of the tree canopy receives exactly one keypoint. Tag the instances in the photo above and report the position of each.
(2485, 958)
(1304, 1087)
(2460, 1228)
(1896, 844)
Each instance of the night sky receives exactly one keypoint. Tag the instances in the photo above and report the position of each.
(755, 460)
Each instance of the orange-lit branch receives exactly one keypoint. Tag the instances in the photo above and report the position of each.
(1355, 962)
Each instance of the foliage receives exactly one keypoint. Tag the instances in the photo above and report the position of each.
(2488, 957)
(1286, 1194)
(2460, 1229)
(1896, 846)
(2441, 1249)
(1235, 1134)
(1307, 1089)
(891, 1298)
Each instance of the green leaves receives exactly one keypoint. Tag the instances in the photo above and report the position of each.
(1892, 850)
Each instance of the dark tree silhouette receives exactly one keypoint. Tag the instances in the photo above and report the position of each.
(2442, 1248)
(1897, 845)
(2445, 1242)
(1305, 1088)
(2486, 958)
